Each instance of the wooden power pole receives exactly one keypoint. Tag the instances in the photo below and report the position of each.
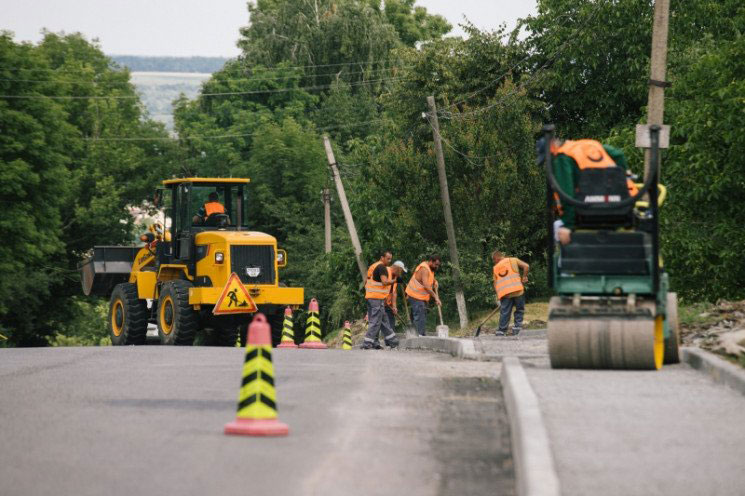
(326, 197)
(657, 83)
(445, 195)
(345, 208)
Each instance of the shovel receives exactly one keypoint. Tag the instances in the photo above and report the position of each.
(443, 331)
(478, 329)
(408, 328)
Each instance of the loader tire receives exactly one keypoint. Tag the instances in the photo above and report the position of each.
(227, 336)
(275, 321)
(177, 321)
(672, 354)
(127, 316)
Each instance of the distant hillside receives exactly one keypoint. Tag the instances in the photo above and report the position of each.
(170, 64)
(159, 89)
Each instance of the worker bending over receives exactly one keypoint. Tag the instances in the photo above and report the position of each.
(420, 289)
(508, 284)
(391, 308)
(377, 287)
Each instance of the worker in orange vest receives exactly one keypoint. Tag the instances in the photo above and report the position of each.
(421, 289)
(569, 159)
(377, 287)
(391, 307)
(508, 284)
(211, 207)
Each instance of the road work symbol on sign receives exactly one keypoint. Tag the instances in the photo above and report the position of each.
(234, 298)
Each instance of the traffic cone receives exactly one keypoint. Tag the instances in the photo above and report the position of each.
(257, 401)
(288, 336)
(347, 338)
(313, 328)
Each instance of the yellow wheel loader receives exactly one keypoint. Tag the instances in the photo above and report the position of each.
(202, 269)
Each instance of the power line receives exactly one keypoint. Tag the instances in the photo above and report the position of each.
(68, 71)
(225, 93)
(225, 136)
(232, 80)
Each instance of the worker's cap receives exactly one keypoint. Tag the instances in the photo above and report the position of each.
(399, 263)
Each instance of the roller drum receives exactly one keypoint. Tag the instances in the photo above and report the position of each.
(605, 342)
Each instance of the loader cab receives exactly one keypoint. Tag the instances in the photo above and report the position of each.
(188, 213)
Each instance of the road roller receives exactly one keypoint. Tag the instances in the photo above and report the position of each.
(612, 308)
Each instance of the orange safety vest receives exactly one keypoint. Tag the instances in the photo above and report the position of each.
(213, 208)
(587, 153)
(389, 298)
(415, 289)
(508, 281)
(375, 290)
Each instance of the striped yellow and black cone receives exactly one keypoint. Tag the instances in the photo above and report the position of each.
(288, 336)
(257, 400)
(346, 340)
(313, 328)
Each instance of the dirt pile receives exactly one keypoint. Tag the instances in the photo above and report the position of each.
(720, 329)
(359, 328)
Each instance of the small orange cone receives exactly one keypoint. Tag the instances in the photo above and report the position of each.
(288, 336)
(346, 341)
(257, 400)
(313, 328)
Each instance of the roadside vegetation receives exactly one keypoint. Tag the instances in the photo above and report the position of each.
(361, 72)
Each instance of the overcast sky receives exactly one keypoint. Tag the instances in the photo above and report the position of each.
(195, 27)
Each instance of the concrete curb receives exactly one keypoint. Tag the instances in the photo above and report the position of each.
(460, 348)
(535, 472)
(721, 371)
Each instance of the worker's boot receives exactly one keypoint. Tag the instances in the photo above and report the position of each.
(515, 331)
(501, 332)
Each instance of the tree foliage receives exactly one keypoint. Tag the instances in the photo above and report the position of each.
(360, 71)
(63, 187)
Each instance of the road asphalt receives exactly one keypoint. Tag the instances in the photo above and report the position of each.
(148, 420)
(671, 432)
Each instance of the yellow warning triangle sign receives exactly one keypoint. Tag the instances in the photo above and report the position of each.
(234, 298)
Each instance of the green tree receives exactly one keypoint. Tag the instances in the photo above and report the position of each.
(66, 186)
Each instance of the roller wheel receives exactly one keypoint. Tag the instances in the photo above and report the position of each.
(127, 316)
(177, 321)
(673, 341)
(603, 342)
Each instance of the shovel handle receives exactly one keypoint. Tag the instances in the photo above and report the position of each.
(439, 309)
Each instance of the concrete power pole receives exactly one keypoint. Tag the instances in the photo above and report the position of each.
(445, 195)
(345, 208)
(657, 84)
(326, 197)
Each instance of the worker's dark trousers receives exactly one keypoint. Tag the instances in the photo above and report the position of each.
(419, 315)
(391, 318)
(516, 302)
(377, 321)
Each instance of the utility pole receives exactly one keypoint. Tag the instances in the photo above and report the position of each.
(345, 208)
(657, 83)
(445, 195)
(326, 197)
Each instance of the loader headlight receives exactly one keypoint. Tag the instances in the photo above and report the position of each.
(219, 257)
(281, 258)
